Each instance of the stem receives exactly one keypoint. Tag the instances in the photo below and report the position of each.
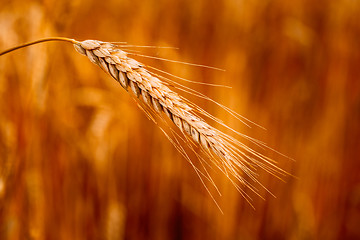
(39, 41)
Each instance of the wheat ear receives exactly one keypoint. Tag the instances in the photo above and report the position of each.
(231, 156)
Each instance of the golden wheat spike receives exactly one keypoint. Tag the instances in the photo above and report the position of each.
(231, 156)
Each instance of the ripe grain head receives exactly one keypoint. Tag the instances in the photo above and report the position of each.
(232, 157)
(156, 98)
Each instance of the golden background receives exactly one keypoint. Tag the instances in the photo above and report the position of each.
(79, 160)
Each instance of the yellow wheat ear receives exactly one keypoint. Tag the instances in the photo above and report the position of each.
(229, 155)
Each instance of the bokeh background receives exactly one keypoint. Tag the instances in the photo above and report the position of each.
(79, 160)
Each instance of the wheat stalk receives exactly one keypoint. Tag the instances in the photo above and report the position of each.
(231, 156)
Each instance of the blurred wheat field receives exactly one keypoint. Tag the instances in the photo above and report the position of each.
(79, 160)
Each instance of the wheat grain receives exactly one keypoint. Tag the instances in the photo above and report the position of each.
(231, 156)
